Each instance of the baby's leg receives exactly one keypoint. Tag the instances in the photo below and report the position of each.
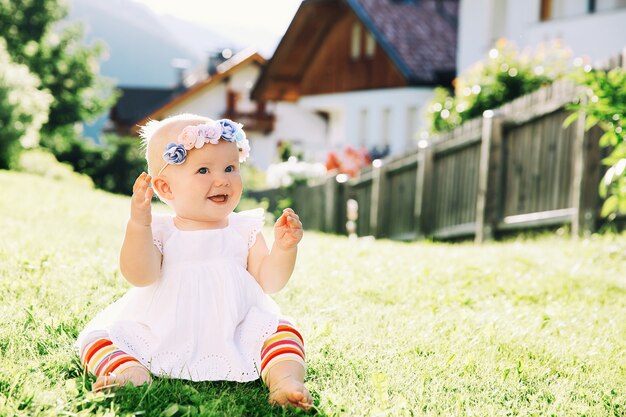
(283, 369)
(112, 366)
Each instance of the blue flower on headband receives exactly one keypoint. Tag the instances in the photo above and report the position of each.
(229, 129)
(175, 153)
(240, 135)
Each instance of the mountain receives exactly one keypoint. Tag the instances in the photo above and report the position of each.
(141, 45)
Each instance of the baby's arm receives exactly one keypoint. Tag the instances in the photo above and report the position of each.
(140, 260)
(273, 269)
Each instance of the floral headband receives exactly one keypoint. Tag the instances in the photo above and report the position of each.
(196, 136)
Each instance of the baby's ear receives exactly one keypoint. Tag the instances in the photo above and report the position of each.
(162, 188)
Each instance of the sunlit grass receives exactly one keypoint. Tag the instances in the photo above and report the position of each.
(524, 327)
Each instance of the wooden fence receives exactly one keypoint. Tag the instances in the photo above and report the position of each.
(515, 168)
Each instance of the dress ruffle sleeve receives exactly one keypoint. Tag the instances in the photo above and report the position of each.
(159, 227)
(249, 223)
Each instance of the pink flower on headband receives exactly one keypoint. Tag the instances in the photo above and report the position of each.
(188, 137)
(196, 136)
(210, 132)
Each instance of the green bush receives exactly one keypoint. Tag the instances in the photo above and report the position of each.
(503, 76)
(253, 178)
(41, 162)
(23, 108)
(113, 166)
(603, 103)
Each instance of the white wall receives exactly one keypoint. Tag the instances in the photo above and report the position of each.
(386, 109)
(210, 102)
(306, 130)
(242, 82)
(482, 22)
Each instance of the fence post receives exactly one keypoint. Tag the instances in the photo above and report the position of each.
(423, 218)
(378, 201)
(340, 206)
(488, 197)
(584, 185)
(330, 212)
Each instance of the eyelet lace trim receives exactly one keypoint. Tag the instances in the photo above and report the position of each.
(253, 234)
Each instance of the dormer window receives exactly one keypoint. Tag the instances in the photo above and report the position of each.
(355, 44)
(362, 43)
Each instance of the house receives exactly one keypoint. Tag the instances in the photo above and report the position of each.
(593, 28)
(359, 72)
(133, 105)
(226, 94)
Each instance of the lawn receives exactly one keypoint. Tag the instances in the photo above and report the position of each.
(527, 327)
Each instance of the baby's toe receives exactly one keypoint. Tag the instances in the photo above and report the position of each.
(293, 394)
(306, 401)
(300, 398)
(102, 383)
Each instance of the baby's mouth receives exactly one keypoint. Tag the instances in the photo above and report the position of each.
(218, 198)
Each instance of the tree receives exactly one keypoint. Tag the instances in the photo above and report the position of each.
(55, 53)
(23, 108)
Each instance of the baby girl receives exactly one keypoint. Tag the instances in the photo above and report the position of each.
(198, 308)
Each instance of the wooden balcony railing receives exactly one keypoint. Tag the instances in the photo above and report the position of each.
(254, 121)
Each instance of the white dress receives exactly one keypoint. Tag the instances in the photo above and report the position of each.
(206, 318)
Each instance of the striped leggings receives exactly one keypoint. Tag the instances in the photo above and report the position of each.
(102, 358)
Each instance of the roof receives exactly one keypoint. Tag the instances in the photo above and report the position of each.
(418, 36)
(135, 103)
(224, 70)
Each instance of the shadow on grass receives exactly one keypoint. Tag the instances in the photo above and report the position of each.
(178, 398)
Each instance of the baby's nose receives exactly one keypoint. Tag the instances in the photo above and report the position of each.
(221, 180)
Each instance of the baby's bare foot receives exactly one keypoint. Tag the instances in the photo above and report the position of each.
(291, 392)
(137, 375)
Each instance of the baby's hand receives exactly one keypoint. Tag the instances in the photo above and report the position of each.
(288, 230)
(140, 207)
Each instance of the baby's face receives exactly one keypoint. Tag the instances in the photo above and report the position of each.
(207, 186)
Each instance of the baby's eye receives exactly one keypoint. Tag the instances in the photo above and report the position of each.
(230, 168)
(203, 171)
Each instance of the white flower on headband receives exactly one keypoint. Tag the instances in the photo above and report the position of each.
(210, 132)
(196, 136)
(244, 151)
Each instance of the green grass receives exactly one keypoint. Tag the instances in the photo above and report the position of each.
(526, 327)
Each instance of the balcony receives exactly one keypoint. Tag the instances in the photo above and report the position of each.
(253, 121)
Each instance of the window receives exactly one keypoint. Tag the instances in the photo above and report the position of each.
(355, 46)
(546, 10)
(363, 128)
(385, 127)
(370, 45)
(231, 101)
(604, 5)
(411, 126)
(557, 9)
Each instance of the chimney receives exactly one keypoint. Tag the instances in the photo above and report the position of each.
(180, 65)
(216, 58)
